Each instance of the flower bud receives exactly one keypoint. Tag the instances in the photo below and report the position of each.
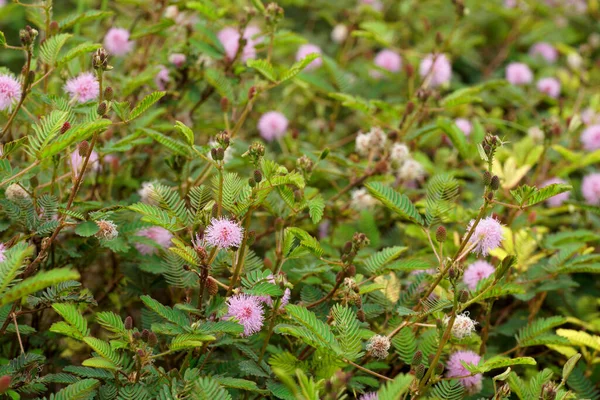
(213, 153)
(495, 182)
(490, 196)
(251, 92)
(251, 182)
(108, 93)
(54, 27)
(83, 148)
(129, 323)
(251, 238)
(65, 127)
(4, 383)
(361, 315)
(100, 59)
(410, 107)
(298, 195)
(257, 175)
(439, 368)
(417, 358)
(140, 353)
(463, 296)
(441, 234)
(211, 286)
(347, 247)
(101, 110)
(145, 335)
(220, 154)
(452, 273)
(136, 335)
(351, 270)
(358, 301)
(224, 104)
(420, 371)
(152, 339)
(487, 178)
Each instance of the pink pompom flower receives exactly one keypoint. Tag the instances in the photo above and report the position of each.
(117, 42)
(230, 39)
(177, 59)
(285, 299)
(487, 236)
(472, 384)
(590, 188)
(77, 162)
(248, 311)
(518, 74)
(307, 49)
(272, 125)
(550, 86)
(160, 235)
(590, 138)
(545, 51)
(369, 396)
(388, 60)
(476, 272)
(559, 199)
(464, 125)
(161, 79)
(10, 91)
(84, 87)
(376, 5)
(3, 249)
(436, 69)
(590, 117)
(224, 233)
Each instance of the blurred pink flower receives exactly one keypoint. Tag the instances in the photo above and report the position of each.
(487, 236)
(230, 38)
(550, 86)
(307, 49)
(518, 74)
(556, 201)
(388, 60)
(77, 162)
(472, 384)
(177, 59)
(590, 188)
(590, 117)
(158, 234)
(436, 69)
(464, 125)
(224, 233)
(10, 91)
(161, 79)
(272, 125)
(369, 396)
(510, 3)
(83, 88)
(590, 138)
(477, 271)
(3, 249)
(117, 42)
(285, 299)
(376, 5)
(248, 311)
(544, 50)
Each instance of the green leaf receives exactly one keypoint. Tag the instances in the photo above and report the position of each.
(498, 362)
(13, 264)
(111, 322)
(87, 228)
(296, 68)
(316, 207)
(73, 135)
(442, 192)
(71, 315)
(569, 366)
(377, 262)
(145, 104)
(38, 282)
(456, 136)
(317, 332)
(190, 341)
(221, 83)
(306, 240)
(83, 48)
(206, 388)
(46, 130)
(347, 328)
(103, 349)
(395, 389)
(80, 390)
(186, 132)
(78, 18)
(527, 196)
(173, 315)
(51, 47)
(2, 39)
(395, 201)
(264, 67)
(175, 146)
(102, 363)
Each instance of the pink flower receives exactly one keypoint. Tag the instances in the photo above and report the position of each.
(388, 60)
(77, 162)
(10, 91)
(84, 87)
(436, 69)
(177, 59)
(550, 86)
(477, 271)
(2, 252)
(160, 235)
(590, 188)
(464, 125)
(161, 79)
(590, 117)
(590, 138)
(248, 311)
(376, 5)
(272, 125)
(487, 235)
(224, 233)
(230, 38)
(518, 74)
(556, 201)
(369, 396)
(117, 42)
(285, 299)
(455, 369)
(307, 49)
(510, 3)
(544, 50)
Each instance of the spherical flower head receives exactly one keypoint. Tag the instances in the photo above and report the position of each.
(476, 272)
(339, 33)
(82, 88)
(590, 117)
(545, 51)
(362, 144)
(464, 125)
(161, 79)
(590, 138)
(536, 134)
(77, 162)
(171, 12)
(559, 199)
(388, 60)
(435, 69)
(411, 170)
(2, 3)
(272, 125)
(3, 249)
(487, 236)
(224, 233)
(575, 61)
(463, 326)
(590, 188)
(248, 311)
(376, 5)
(510, 3)
(369, 396)
(160, 235)
(362, 200)
(10, 91)
(117, 42)
(378, 346)
(148, 193)
(108, 230)
(472, 384)
(399, 153)
(518, 74)
(307, 49)
(230, 39)
(177, 59)
(550, 86)
(15, 192)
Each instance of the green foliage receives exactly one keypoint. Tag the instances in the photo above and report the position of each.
(396, 202)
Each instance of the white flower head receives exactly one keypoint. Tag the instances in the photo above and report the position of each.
(411, 170)
(463, 325)
(362, 200)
